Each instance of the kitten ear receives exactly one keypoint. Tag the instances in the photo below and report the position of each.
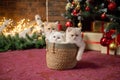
(45, 23)
(69, 29)
(80, 28)
(56, 22)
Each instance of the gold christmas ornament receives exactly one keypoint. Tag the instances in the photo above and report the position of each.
(113, 46)
(78, 7)
(79, 24)
(96, 7)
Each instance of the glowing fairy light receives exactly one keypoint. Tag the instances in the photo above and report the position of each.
(16, 27)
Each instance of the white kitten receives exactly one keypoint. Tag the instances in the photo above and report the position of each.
(73, 35)
(57, 37)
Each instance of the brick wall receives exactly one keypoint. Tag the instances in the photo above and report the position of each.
(55, 9)
(19, 9)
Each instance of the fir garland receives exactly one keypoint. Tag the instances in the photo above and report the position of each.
(17, 43)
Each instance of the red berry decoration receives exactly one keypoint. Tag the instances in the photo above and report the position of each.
(103, 16)
(69, 24)
(87, 8)
(112, 6)
(105, 41)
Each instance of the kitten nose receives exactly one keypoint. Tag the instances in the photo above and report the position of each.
(74, 38)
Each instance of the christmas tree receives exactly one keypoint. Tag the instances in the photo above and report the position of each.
(80, 12)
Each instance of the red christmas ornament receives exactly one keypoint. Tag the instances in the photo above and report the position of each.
(112, 6)
(69, 24)
(105, 41)
(109, 34)
(74, 12)
(87, 8)
(73, 3)
(103, 16)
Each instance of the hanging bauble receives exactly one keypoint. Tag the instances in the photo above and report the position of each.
(78, 7)
(75, 12)
(105, 41)
(87, 8)
(112, 6)
(80, 24)
(110, 33)
(103, 15)
(73, 3)
(113, 45)
(68, 24)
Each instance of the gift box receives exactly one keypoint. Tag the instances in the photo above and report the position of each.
(92, 40)
(98, 26)
(106, 50)
(118, 50)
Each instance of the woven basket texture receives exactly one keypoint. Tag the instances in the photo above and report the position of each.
(61, 56)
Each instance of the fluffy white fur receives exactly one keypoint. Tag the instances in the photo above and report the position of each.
(57, 37)
(73, 35)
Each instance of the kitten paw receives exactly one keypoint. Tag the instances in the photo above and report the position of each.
(78, 58)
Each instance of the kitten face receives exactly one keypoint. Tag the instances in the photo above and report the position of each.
(57, 37)
(73, 34)
(50, 26)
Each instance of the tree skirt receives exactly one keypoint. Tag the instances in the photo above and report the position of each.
(31, 65)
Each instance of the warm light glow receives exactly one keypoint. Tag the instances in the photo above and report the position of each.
(16, 27)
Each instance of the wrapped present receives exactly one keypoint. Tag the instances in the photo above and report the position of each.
(106, 50)
(118, 51)
(92, 40)
(98, 26)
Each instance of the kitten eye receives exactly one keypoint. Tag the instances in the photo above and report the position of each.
(48, 28)
(58, 37)
(53, 28)
(38, 18)
(76, 34)
(53, 36)
(72, 35)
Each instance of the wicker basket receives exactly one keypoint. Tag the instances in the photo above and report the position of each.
(61, 56)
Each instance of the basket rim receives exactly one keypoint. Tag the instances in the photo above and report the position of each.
(61, 45)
